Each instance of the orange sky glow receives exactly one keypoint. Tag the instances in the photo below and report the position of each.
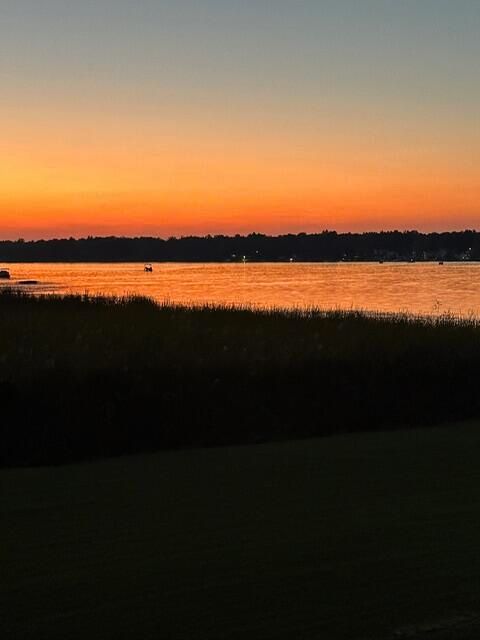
(97, 178)
(372, 126)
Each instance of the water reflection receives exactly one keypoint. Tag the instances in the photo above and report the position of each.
(426, 288)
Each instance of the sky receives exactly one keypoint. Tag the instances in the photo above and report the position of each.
(145, 117)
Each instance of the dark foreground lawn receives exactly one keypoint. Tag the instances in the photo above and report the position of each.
(358, 536)
(82, 378)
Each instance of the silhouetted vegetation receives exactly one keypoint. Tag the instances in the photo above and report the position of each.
(83, 377)
(316, 247)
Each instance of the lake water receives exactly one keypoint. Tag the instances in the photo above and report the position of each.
(427, 288)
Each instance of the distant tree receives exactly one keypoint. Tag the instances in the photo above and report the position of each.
(315, 247)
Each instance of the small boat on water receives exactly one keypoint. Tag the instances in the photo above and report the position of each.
(148, 268)
(4, 274)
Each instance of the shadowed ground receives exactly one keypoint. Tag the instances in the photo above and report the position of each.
(358, 536)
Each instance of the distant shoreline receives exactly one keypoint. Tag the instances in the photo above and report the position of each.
(366, 261)
(327, 246)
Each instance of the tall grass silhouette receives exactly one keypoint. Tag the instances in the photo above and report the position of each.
(82, 376)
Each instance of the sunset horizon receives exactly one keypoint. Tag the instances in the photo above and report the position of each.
(175, 119)
(240, 319)
(128, 233)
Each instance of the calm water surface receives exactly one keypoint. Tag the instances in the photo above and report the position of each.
(414, 288)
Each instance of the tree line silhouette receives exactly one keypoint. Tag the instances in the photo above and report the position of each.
(302, 247)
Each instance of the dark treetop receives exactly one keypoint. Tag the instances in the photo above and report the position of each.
(302, 247)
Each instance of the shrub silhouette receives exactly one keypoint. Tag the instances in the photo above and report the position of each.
(82, 377)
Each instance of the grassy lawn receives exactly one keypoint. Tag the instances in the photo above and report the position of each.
(355, 536)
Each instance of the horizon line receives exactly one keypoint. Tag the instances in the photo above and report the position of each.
(235, 235)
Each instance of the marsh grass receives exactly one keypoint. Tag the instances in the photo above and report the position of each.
(83, 376)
